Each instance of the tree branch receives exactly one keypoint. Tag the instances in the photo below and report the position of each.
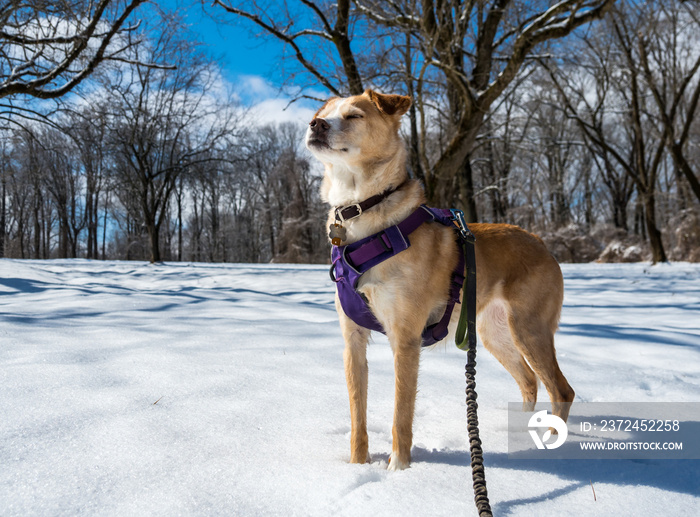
(36, 87)
(279, 34)
(547, 26)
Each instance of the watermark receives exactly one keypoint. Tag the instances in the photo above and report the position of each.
(552, 424)
(606, 430)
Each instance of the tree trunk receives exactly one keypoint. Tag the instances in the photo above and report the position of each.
(74, 246)
(466, 192)
(20, 237)
(413, 147)
(658, 254)
(454, 167)
(46, 232)
(95, 223)
(91, 217)
(683, 166)
(37, 229)
(88, 219)
(588, 197)
(179, 223)
(2, 218)
(153, 237)
(270, 227)
(104, 231)
(63, 236)
(196, 230)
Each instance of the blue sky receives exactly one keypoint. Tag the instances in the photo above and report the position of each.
(242, 53)
(248, 62)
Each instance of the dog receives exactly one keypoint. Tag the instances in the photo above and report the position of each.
(520, 287)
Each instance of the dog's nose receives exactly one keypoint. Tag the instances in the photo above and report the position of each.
(319, 125)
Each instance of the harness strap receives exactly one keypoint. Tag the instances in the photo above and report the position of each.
(438, 331)
(390, 241)
(355, 259)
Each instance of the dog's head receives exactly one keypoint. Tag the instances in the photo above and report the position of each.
(358, 129)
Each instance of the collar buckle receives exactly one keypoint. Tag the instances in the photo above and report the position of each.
(339, 212)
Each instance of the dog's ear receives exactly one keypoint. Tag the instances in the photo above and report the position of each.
(389, 104)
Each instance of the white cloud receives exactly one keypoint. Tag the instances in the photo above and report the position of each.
(279, 110)
(254, 86)
(268, 104)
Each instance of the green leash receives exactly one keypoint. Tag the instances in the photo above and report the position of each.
(465, 337)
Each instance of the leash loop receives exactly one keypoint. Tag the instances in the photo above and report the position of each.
(465, 336)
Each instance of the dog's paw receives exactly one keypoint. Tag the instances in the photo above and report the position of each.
(358, 458)
(395, 463)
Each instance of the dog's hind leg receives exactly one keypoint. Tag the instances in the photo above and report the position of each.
(493, 329)
(356, 375)
(535, 340)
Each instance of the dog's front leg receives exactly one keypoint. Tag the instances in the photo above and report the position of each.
(356, 374)
(406, 361)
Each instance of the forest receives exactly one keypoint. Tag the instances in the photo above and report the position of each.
(120, 137)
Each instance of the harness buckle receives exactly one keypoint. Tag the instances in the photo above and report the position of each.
(458, 218)
(331, 271)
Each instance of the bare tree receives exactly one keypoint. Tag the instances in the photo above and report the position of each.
(87, 127)
(331, 26)
(62, 179)
(48, 48)
(30, 225)
(207, 186)
(4, 172)
(477, 47)
(261, 174)
(494, 158)
(618, 120)
(609, 134)
(670, 61)
(166, 122)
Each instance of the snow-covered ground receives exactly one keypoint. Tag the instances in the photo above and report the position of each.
(198, 389)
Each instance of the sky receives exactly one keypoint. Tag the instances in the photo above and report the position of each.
(249, 62)
(241, 52)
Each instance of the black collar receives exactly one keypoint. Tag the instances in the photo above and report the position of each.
(347, 212)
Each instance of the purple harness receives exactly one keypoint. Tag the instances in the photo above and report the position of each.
(350, 262)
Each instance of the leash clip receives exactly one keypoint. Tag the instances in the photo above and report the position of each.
(458, 218)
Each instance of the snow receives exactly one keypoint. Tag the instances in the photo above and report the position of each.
(200, 389)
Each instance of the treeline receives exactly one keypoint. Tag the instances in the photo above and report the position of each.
(598, 149)
(103, 192)
(593, 143)
(157, 162)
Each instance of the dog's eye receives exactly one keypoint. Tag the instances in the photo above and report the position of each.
(347, 117)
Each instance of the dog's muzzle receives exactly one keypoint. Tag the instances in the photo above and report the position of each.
(319, 130)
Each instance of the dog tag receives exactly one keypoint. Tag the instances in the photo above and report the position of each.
(337, 234)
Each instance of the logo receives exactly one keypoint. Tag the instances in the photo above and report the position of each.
(543, 419)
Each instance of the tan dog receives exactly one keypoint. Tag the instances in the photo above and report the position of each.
(519, 284)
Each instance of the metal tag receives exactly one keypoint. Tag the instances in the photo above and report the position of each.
(337, 234)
